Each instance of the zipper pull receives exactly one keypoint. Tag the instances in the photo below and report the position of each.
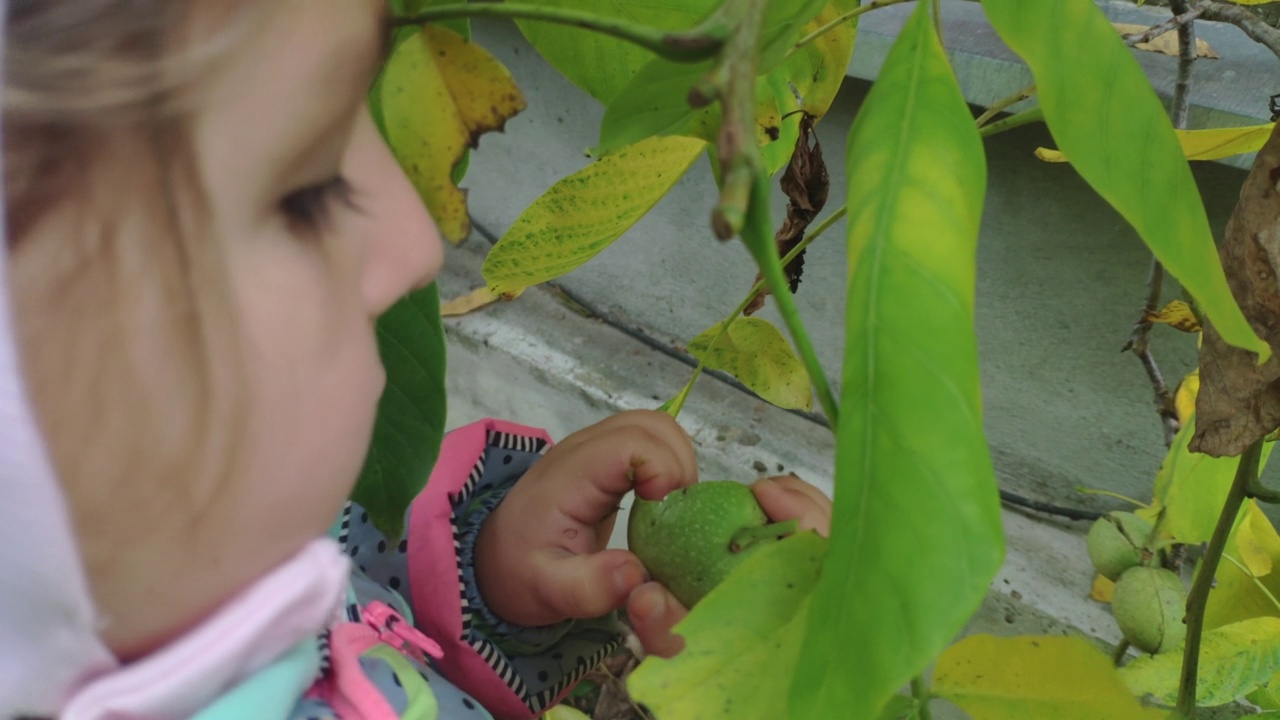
(395, 631)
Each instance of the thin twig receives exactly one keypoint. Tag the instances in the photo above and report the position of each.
(1186, 61)
(1004, 103)
(1198, 599)
(1138, 343)
(873, 5)
(1252, 25)
(1159, 29)
(698, 43)
(1026, 117)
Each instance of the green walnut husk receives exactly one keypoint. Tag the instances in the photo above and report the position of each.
(694, 537)
(1116, 541)
(1149, 606)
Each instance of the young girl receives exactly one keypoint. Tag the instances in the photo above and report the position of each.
(202, 226)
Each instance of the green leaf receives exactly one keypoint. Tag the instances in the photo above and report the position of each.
(1106, 117)
(1267, 696)
(403, 8)
(1017, 678)
(1234, 661)
(1238, 593)
(756, 353)
(411, 413)
(912, 466)
(581, 214)
(656, 100)
(741, 640)
(600, 64)
(1190, 488)
(817, 70)
(900, 707)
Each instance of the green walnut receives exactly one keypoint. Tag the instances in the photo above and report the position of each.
(1149, 605)
(694, 537)
(1116, 541)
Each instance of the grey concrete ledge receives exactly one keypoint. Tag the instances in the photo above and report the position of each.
(1227, 92)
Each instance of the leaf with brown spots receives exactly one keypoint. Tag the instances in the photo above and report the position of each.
(1177, 315)
(805, 183)
(439, 93)
(1239, 400)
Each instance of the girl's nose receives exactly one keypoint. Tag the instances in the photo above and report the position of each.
(404, 247)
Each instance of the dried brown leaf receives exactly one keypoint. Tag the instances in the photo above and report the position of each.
(806, 184)
(1165, 43)
(1239, 400)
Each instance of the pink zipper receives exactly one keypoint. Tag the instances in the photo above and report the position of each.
(395, 631)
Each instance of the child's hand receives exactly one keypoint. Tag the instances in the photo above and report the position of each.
(541, 557)
(654, 611)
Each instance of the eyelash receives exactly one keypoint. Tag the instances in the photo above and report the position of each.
(310, 209)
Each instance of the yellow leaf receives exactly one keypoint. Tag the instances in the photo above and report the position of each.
(1257, 543)
(1176, 314)
(1050, 156)
(1216, 143)
(1234, 660)
(474, 300)
(582, 214)
(1166, 42)
(1207, 144)
(439, 94)
(564, 712)
(755, 352)
(1018, 678)
(1184, 399)
(1102, 590)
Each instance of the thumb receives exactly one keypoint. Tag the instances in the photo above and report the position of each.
(589, 585)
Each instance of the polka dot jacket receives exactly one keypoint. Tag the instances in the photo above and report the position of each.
(417, 641)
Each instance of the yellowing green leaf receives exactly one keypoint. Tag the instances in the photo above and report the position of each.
(1018, 678)
(1166, 42)
(1104, 114)
(439, 94)
(1234, 660)
(756, 353)
(741, 640)
(472, 301)
(912, 464)
(1191, 488)
(581, 214)
(1257, 542)
(1102, 589)
(817, 70)
(1238, 595)
(1177, 315)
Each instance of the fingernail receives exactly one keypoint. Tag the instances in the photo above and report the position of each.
(651, 604)
(628, 577)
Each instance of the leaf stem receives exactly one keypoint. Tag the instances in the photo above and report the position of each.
(920, 691)
(758, 237)
(675, 404)
(699, 43)
(1004, 103)
(1157, 30)
(846, 17)
(1198, 599)
(1026, 117)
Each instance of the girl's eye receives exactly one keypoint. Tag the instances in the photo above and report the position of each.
(310, 209)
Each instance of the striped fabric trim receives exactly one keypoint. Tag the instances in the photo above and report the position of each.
(344, 530)
(326, 656)
(511, 441)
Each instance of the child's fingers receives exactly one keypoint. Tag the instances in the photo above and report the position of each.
(653, 612)
(593, 476)
(785, 498)
(660, 424)
(587, 586)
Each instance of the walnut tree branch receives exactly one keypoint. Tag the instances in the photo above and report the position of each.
(1159, 29)
(1252, 25)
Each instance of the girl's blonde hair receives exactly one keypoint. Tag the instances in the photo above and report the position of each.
(122, 303)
